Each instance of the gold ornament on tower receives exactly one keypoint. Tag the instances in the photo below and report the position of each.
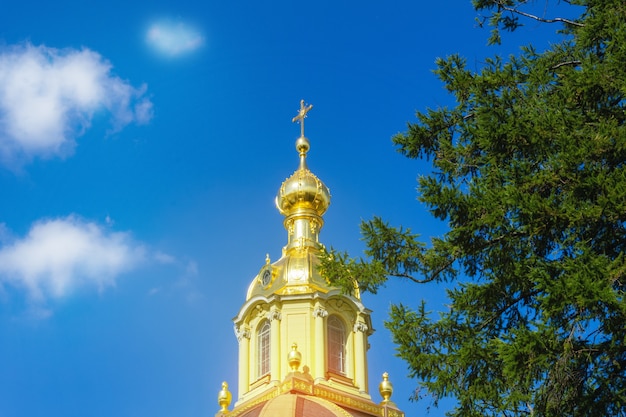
(224, 397)
(294, 358)
(385, 388)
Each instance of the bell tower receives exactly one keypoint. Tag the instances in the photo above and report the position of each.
(296, 333)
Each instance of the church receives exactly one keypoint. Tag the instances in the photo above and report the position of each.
(302, 343)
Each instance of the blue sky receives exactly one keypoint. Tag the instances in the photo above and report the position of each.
(141, 147)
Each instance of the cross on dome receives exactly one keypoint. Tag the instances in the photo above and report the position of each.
(301, 115)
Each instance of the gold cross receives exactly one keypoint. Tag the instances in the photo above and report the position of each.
(301, 115)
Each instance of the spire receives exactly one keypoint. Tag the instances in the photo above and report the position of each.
(302, 144)
(303, 198)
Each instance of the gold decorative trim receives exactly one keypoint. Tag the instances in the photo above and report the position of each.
(294, 384)
(394, 413)
(348, 401)
(314, 226)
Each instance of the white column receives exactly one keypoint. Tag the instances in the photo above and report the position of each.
(275, 352)
(320, 345)
(360, 344)
(243, 337)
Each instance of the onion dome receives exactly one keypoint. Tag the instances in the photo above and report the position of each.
(303, 192)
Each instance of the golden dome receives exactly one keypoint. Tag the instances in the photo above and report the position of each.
(296, 405)
(303, 191)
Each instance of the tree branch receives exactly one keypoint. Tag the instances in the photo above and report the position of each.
(451, 260)
(415, 280)
(562, 64)
(506, 307)
(541, 19)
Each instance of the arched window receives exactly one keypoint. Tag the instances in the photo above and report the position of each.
(263, 349)
(336, 345)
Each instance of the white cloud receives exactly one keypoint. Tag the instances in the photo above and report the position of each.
(49, 96)
(60, 255)
(174, 39)
(164, 258)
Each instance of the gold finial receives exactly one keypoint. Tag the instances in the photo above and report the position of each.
(267, 259)
(302, 143)
(224, 397)
(294, 358)
(301, 115)
(385, 388)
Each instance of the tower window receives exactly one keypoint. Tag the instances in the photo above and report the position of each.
(336, 345)
(263, 349)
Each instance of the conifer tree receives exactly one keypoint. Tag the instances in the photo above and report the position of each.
(529, 172)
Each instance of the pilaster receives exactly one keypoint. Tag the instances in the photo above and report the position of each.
(243, 337)
(319, 315)
(360, 344)
(274, 316)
